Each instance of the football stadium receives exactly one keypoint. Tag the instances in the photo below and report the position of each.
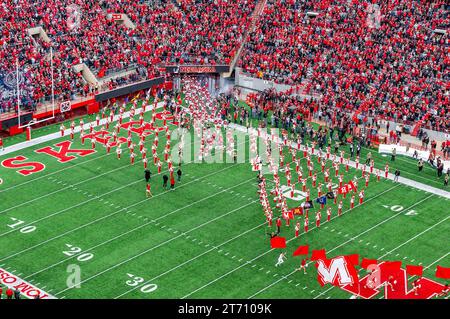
(246, 149)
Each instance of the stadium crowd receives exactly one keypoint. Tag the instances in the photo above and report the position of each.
(85, 31)
(383, 60)
(389, 64)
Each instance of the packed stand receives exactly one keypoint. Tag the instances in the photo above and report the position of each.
(384, 61)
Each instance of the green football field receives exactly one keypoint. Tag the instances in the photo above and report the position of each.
(205, 239)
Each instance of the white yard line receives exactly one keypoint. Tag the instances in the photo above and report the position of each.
(115, 213)
(157, 246)
(118, 236)
(263, 254)
(62, 189)
(190, 260)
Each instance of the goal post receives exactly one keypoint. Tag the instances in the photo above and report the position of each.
(24, 84)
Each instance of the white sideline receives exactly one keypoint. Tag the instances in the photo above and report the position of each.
(72, 186)
(401, 150)
(154, 247)
(401, 180)
(263, 254)
(57, 135)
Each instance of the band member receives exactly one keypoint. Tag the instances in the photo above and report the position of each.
(318, 217)
(148, 191)
(306, 224)
(303, 266)
(361, 197)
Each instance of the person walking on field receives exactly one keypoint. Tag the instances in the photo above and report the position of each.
(179, 172)
(172, 182)
(397, 174)
(165, 179)
(148, 191)
(147, 175)
(420, 165)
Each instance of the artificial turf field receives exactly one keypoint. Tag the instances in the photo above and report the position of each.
(205, 239)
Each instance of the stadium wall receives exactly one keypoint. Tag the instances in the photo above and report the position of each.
(129, 89)
(249, 84)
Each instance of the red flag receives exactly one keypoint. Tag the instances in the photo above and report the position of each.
(338, 271)
(414, 270)
(291, 214)
(352, 185)
(366, 262)
(298, 211)
(318, 254)
(442, 272)
(354, 259)
(301, 250)
(392, 265)
(343, 189)
(278, 242)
